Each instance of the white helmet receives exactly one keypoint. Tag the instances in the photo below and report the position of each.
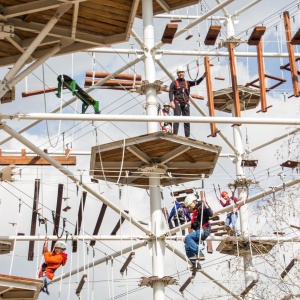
(189, 199)
(180, 69)
(61, 245)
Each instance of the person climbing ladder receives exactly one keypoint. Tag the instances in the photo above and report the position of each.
(53, 260)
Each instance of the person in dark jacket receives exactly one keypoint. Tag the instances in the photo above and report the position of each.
(180, 215)
(179, 98)
(200, 223)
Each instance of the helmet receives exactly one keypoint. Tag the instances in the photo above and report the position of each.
(223, 194)
(189, 199)
(61, 245)
(180, 69)
(166, 103)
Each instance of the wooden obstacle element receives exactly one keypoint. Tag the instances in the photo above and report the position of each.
(39, 92)
(169, 33)
(290, 164)
(78, 225)
(177, 193)
(296, 38)
(294, 226)
(127, 262)
(34, 218)
(175, 20)
(99, 222)
(287, 67)
(214, 218)
(235, 90)
(189, 37)
(34, 160)
(249, 163)
(9, 96)
(288, 268)
(58, 211)
(6, 173)
(256, 35)
(67, 206)
(290, 47)
(249, 287)
(118, 225)
(6, 247)
(119, 76)
(210, 97)
(81, 284)
(187, 282)
(212, 35)
(19, 288)
(279, 233)
(112, 83)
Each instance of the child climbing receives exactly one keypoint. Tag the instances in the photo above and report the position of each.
(53, 260)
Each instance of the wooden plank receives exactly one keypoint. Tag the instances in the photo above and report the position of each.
(112, 82)
(169, 33)
(78, 223)
(288, 35)
(35, 160)
(290, 164)
(177, 193)
(39, 92)
(256, 35)
(235, 91)
(118, 225)
(296, 38)
(34, 217)
(99, 222)
(58, 211)
(128, 260)
(261, 74)
(249, 287)
(186, 283)
(210, 96)
(288, 268)
(81, 284)
(124, 76)
(212, 35)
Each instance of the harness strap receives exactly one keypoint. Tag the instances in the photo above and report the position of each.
(178, 87)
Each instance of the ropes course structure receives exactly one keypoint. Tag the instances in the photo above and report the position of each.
(104, 179)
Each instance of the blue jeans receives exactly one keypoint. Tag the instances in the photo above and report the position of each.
(231, 218)
(45, 284)
(192, 241)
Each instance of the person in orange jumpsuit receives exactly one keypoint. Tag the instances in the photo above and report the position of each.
(53, 260)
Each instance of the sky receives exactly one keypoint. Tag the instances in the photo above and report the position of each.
(265, 216)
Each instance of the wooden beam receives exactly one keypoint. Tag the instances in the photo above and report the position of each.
(81, 284)
(212, 35)
(288, 268)
(99, 222)
(119, 76)
(294, 226)
(128, 260)
(78, 223)
(58, 211)
(235, 91)
(39, 92)
(210, 96)
(296, 38)
(169, 33)
(261, 75)
(118, 225)
(288, 35)
(256, 35)
(177, 193)
(248, 288)
(187, 282)
(112, 82)
(35, 160)
(34, 217)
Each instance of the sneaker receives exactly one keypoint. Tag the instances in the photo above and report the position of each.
(197, 266)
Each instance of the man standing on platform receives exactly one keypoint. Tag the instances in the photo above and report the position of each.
(179, 98)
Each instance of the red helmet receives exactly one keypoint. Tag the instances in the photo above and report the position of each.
(224, 194)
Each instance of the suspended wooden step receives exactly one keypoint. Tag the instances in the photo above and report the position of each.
(288, 268)
(19, 288)
(279, 233)
(220, 223)
(118, 225)
(34, 160)
(214, 218)
(39, 92)
(9, 96)
(149, 281)
(221, 233)
(81, 284)
(281, 81)
(123, 76)
(175, 20)
(219, 78)
(189, 37)
(169, 33)
(290, 164)
(127, 262)
(185, 285)
(99, 222)
(294, 226)
(249, 287)
(296, 38)
(67, 207)
(112, 83)
(34, 218)
(177, 193)
(212, 35)
(249, 163)
(256, 35)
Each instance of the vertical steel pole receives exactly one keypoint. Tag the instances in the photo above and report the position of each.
(149, 61)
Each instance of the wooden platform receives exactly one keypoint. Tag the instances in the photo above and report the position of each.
(223, 99)
(156, 153)
(6, 247)
(19, 288)
(231, 247)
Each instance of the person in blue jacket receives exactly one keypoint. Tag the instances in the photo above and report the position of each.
(180, 215)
